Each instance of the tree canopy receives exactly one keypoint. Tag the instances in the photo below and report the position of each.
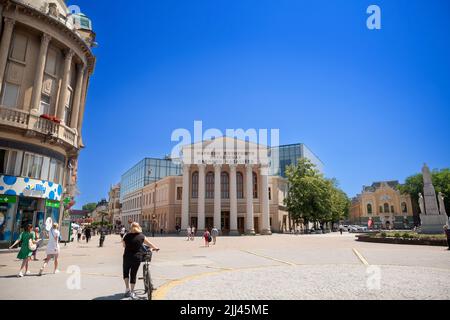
(89, 206)
(311, 197)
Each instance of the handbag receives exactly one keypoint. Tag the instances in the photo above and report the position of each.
(31, 245)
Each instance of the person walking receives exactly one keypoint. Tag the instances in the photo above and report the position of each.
(27, 238)
(207, 237)
(188, 233)
(87, 234)
(341, 228)
(79, 233)
(37, 238)
(122, 232)
(447, 233)
(133, 242)
(53, 249)
(214, 234)
(192, 233)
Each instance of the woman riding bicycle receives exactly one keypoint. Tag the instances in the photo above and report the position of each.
(133, 242)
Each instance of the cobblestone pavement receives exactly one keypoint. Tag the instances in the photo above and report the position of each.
(258, 268)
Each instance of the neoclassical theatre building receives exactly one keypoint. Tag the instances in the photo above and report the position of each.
(46, 61)
(239, 192)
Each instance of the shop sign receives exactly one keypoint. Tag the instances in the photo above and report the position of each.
(36, 190)
(52, 204)
(7, 199)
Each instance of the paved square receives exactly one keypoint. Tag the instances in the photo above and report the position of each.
(280, 266)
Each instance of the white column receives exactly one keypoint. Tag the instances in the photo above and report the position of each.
(233, 202)
(39, 76)
(77, 97)
(217, 197)
(63, 91)
(185, 200)
(201, 200)
(4, 47)
(264, 177)
(249, 225)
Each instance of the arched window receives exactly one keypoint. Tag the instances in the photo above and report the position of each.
(381, 209)
(210, 185)
(386, 208)
(225, 185)
(369, 208)
(255, 186)
(392, 209)
(195, 185)
(240, 185)
(404, 207)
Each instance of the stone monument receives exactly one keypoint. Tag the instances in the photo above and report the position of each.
(432, 221)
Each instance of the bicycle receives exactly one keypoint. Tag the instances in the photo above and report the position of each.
(146, 259)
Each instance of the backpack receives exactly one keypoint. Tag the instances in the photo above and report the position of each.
(209, 239)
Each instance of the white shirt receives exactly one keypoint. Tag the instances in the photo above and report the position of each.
(189, 230)
(53, 245)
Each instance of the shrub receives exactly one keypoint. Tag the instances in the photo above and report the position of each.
(397, 235)
(407, 235)
(383, 235)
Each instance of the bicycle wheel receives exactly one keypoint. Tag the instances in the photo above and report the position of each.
(148, 279)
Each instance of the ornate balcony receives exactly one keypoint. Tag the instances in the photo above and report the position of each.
(34, 124)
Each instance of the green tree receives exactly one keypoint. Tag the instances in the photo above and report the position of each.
(340, 203)
(89, 206)
(308, 198)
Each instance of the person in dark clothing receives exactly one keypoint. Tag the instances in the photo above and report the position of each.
(87, 234)
(133, 242)
(447, 233)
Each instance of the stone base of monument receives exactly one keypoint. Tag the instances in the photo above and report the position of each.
(432, 223)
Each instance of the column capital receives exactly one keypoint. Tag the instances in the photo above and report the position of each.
(45, 39)
(217, 166)
(233, 166)
(186, 166)
(9, 22)
(201, 166)
(69, 55)
(249, 166)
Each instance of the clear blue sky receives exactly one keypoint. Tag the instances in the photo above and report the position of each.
(373, 105)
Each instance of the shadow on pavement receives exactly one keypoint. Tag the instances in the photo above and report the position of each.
(140, 295)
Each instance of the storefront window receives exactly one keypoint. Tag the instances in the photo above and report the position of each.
(7, 209)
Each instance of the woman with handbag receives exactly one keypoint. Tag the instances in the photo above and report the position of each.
(27, 238)
(52, 248)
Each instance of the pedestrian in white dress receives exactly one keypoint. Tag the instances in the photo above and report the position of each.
(188, 233)
(53, 248)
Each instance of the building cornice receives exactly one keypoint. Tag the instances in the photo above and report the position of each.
(14, 8)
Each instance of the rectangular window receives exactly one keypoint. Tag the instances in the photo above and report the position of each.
(2, 161)
(270, 193)
(45, 104)
(179, 193)
(45, 168)
(19, 47)
(68, 107)
(32, 166)
(10, 95)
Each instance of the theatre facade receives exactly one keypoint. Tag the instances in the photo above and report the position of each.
(225, 183)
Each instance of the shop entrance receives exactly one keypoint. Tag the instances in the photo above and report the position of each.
(26, 214)
(225, 221)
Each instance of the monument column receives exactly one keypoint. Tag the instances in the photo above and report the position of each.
(4, 47)
(217, 197)
(233, 202)
(185, 197)
(201, 200)
(264, 176)
(431, 220)
(39, 76)
(249, 219)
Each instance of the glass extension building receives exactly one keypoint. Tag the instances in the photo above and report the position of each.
(286, 155)
(147, 171)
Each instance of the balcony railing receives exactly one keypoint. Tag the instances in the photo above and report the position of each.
(24, 120)
(17, 118)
